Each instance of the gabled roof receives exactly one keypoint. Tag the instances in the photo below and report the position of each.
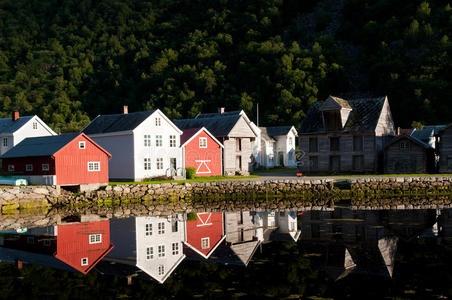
(226, 113)
(426, 132)
(8, 126)
(265, 135)
(117, 122)
(44, 146)
(279, 130)
(236, 254)
(189, 134)
(444, 129)
(410, 138)
(335, 102)
(363, 117)
(218, 126)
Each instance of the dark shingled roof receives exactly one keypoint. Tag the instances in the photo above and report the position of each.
(40, 146)
(278, 130)
(265, 135)
(117, 122)
(219, 126)
(408, 137)
(426, 132)
(187, 134)
(212, 115)
(363, 117)
(7, 125)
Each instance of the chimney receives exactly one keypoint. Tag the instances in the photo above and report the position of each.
(19, 264)
(129, 280)
(15, 115)
(398, 131)
(125, 109)
(221, 110)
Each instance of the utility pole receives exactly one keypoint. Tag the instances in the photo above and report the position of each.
(257, 115)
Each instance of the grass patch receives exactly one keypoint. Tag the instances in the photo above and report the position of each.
(276, 170)
(196, 179)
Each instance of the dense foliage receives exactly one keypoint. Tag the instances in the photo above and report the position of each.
(69, 61)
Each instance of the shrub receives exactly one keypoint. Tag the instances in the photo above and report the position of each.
(191, 216)
(190, 172)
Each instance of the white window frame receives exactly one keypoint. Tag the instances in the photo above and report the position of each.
(82, 145)
(45, 167)
(94, 166)
(161, 228)
(84, 261)
(172, 141)
(202, 142)
(161, 270)
(161, 251)
(148, 229)
(175, 248)
(147, 140)
(149, 253)
(147, 163)
(158, 121)
(29, 167)
(159, 140)
(160, 163)
(95, 238)
(290, 141)
(5, 142)
(207, 241)
(11, 168)
(35, 125)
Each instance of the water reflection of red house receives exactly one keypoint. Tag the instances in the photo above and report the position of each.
(205, 234)
(78, 245)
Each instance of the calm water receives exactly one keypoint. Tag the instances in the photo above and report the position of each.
(344, 253)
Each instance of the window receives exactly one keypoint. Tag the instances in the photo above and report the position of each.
(335, 163)
(159, 163)
(30, 240)
(81, 145)
(158, 141)
(358, 162)
(149, 253)
(148, 229)
(404, 146)
(161, 270)
(84, 261)
(47, 242)
(35, 125)
(172, 141)
(313, 163)
(161, 228)
(93, 166)
(28, 167)
(205, 243)
(147, 140)
(5, 142)
(238, 145)
(95, 238)
(334, 143)
(11, 168)
(45, 167)
(290, 157)
(290, 141)
(313, 145)
(175, 248)
(357, 143)
(158, 122)
(202, 142)
(147, 163)
(161, 250)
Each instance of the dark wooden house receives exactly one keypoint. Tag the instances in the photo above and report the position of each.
(407, 154)
(445, 149)
(345, 136)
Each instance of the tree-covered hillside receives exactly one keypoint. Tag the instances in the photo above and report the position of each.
(69, 61)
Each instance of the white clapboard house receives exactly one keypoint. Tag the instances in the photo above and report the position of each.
(143, 144)
(277, 146)
(154, 245)
(15, 129)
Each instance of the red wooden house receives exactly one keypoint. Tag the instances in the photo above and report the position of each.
(66, 159)
(78, 246)
(205, 234)
(202, 151)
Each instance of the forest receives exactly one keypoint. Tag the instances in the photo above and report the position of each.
(68, 61)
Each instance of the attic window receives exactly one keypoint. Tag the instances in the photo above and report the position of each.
(161, 270)
(290, 141)
(404, 146)
(35, 125)
(5, 142)
(205, 243)
(158, 122)
(332, 120)
(202, 142)
(81, 145)
(84, 261)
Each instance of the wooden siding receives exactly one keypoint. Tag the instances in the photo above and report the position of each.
(20, 163)
(207, 225)
(412, 160)
(346, 153)
(231, 153)
(206, 161)
(71, 163)
(239, 227)
(242, 129)
(445, 151)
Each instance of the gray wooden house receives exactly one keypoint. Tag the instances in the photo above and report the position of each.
(340, 136)
(406, 155)
(445, 149)
(234, 130)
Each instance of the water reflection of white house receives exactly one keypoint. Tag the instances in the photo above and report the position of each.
(276, 226)
(152, 244)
